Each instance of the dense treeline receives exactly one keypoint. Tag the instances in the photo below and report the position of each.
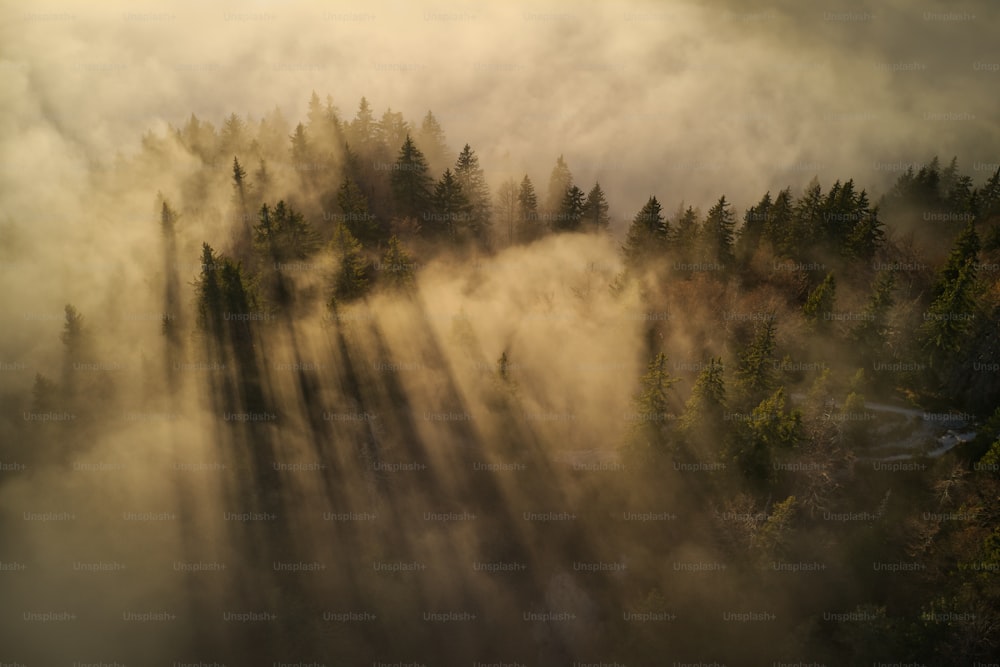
(797, 316)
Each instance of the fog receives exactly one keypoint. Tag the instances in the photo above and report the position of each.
(393, 405)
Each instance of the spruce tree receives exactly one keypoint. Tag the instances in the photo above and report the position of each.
(560, 181)
(647, 235)
(754, 222)
(411, 182)
(351, 279)
(470, 176)
(703, 422)
(571, 211)
(755, 372)
(718, 233)
(820, 302)
(353, 206)
(595, 210)
(451, 210)
(432, 142)
(528, 227)
(397, 266)
(649, 433)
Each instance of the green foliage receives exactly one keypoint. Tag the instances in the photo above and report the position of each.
(397, 266)
(647, 235)
(392, 129)
(354, 208)
(775, 537)
(964, 253)
(949, 316)
(284, 234)
(470, 177)
(873, 329)
(769, 430)
(754, 223)
(528, 225)
(352, 277)
(755, 372)
(44, 394)
(649, 436)
(74, 334)
(687, 231)
(990, 461)
(595, 209)
(702, 423)
(820, 302)
(451, 211)
(718, 233)
(410, 181)
(239, 184)
(233, 138)
(432, 142)
(571, 211)
(560, 181)
(778, 227)
(362, 128)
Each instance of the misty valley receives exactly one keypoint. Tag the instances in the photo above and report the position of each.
(348, 398)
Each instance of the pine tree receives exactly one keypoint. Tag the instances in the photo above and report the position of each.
(397, 266)
(768, 431)
(362, 128)
(240, 191)
(867, 237)
(77, 342)
(528, 227)
(315, 113)
(806, 222)
(820, 302)
(351, 280)
(238, 297)
(778, 229)
(451, 210)
(172, 289)
(704, 412)
(44, 394)
(755, 372)
(647, 235)
(949, 316)
(239, 185)
(74, 334)
(431, 140)
(653, 402)
(273, 133)
(687, 231)
(208, 293)
(392, 129)
(233, 137)
(506, 209)
(559, 182)
(300, 150)
(354, 211)
(718, 233)
(323, 123)
(470, 176)
(754, 223)
(649, 437)
(964, 252)
(410, 182)
(261, 186)
(284, 234)
(570, 212)
(872, 331)
(595, 210)
(987, 199)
